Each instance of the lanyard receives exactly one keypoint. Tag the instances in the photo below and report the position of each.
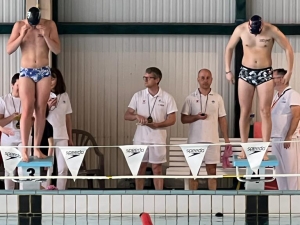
(274, 102)
(150, 112)
(205, 102)
(12, 98)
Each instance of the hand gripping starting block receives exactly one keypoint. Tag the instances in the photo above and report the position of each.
(33, 168)
(255, 183)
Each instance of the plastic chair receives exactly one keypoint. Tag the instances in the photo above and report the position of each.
(83, 138)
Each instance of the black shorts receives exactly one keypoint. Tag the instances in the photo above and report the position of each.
(256, 77)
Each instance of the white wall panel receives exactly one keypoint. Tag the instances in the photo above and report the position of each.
(12, 10)
(275, 11)
(175, 11)
(103, 72)
(10, 64)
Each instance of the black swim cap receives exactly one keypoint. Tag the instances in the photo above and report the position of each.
(33, 16)
(255, 24)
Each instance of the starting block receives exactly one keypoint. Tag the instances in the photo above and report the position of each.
(33, 168)
(255, 183)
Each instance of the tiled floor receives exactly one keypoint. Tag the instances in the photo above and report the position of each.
(135, 220)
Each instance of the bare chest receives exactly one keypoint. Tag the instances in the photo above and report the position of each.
(260, 41)
(33, 37)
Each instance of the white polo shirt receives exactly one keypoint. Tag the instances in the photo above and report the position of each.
(281, 112)
(204, 130)
(57, 116)
(160, 105)
(8, 106)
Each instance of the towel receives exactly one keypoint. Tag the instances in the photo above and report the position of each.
(225, 158)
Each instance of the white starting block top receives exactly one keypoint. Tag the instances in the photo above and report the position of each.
(265, 163)
(36, 162)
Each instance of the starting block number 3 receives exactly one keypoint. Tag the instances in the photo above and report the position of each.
(31, 172)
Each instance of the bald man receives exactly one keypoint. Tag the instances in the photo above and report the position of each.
(256, 72)
(204, 110)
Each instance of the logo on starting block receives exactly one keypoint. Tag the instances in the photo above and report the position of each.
(255, 152)
(11, 158)
(194, 154)
(134, 155)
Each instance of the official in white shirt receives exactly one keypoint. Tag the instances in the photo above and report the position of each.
(10, 112)
(285, 120)
(204, 110)
(60, 119)
(154, 110)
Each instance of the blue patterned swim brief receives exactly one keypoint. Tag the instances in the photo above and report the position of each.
(36, 74)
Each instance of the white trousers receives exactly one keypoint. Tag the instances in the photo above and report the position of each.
(62, 168)
(289, 163)
(9, 184)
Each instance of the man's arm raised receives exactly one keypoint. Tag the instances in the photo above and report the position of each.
(51, 37)
(16, 37)
(53, 40)
(284, 43)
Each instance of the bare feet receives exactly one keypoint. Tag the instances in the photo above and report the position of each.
(24, 155)
(242, 155)
(266, 157)
(39, 154)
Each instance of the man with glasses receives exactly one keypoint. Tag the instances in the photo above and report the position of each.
(154, 110)
(204, 110)
(285, 118)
